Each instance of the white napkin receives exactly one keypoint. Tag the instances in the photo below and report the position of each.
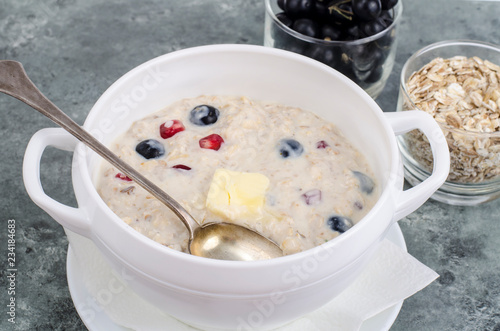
(392, 276)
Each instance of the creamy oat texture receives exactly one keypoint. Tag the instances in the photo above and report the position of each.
(304, 192)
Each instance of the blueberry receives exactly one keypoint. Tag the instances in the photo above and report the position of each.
(150, 149)
(339, 223)
(204, 115)
(366, 184)
(290, 148)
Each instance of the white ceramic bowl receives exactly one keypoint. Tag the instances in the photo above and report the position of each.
(226, 294)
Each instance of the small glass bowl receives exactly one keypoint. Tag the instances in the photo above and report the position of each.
(475, 156)
(367, 61)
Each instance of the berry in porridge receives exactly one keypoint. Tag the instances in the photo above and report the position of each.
(150, 149)
(290, 148)
(213, 141)
(170, 128)
(366, 184)
(181, 166)
(279, 170)
(123, 177)
(339, 223)
(204, 115)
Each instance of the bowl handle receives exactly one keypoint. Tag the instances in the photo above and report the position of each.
(74, 219)
(409, 200)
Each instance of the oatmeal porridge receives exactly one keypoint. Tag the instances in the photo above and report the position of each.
(279, 170)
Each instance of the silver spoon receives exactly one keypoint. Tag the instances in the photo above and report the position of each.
(223, 241)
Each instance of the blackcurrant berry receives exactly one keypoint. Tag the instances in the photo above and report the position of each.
(352, 32)
(387, 17)
(299, 8)
(321, 12)
(366, 10)
(306, 27)
(375, 74)
(324, 54)
(340, 12)
(285, 19)
(331, 32)
(372, 27)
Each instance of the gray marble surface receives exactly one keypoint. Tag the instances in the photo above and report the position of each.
(74, 49)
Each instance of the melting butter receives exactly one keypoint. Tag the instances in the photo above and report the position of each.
(237, 195)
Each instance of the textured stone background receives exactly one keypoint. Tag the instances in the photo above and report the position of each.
(74, 49)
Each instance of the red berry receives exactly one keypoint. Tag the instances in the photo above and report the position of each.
(312, 197)
(181, 166)
(212, 141)
(123, 177)
(170, 128)
(322, 144)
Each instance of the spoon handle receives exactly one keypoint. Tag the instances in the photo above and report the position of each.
(15, 82)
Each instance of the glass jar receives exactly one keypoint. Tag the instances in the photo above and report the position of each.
(467, 115)
(367, 61)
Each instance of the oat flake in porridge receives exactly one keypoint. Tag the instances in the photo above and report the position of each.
(279, 170)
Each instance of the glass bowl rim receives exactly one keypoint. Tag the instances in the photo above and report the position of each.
(442, 44)
(398, 12)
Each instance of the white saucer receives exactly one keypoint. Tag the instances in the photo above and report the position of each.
(99, 321)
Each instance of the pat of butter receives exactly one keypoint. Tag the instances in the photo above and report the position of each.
(237, 195)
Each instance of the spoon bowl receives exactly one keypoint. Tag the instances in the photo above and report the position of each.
(226, 241)
(223, 241)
